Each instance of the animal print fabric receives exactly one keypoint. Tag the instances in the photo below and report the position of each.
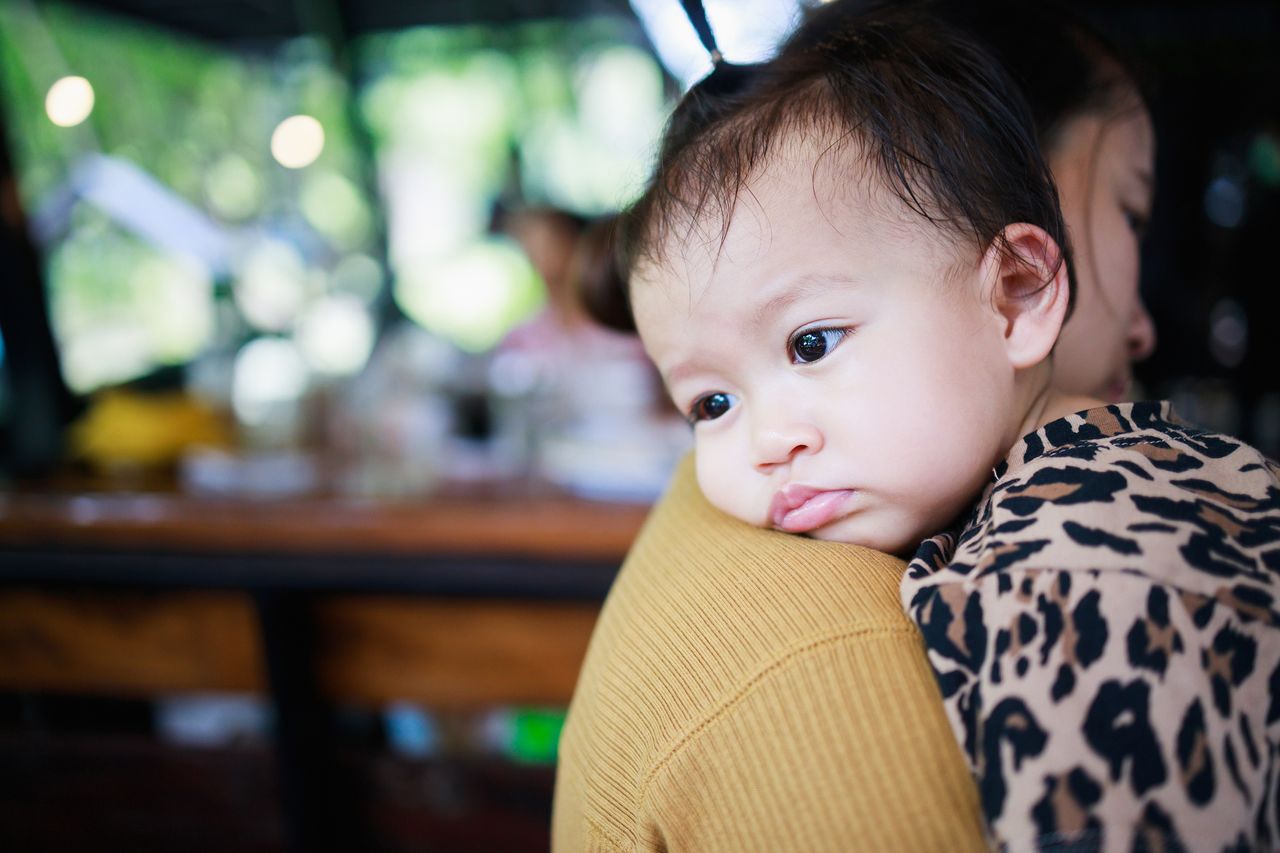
(1104, 631)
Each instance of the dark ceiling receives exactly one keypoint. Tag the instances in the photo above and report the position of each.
(1180, 22)
(257, 20)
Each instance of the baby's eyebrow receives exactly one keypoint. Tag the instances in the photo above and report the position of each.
(794, 290)
(679, 371)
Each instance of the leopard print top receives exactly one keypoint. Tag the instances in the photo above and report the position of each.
(1103, 628)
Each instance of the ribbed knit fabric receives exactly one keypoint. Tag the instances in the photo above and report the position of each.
(748, 690)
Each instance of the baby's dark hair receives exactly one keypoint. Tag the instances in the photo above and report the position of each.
(930, 112)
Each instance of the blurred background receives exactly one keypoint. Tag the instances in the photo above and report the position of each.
(314, 473)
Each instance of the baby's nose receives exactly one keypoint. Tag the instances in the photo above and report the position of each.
(780, 440)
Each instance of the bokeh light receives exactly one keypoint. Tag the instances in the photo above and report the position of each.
(233, 188)
(69, 102)
(297, 141)
(620, 98)
(113, 349)
(474, 297)
(272, 286)
(1224, 202)
(359, 275)
(1228, 332)
(121, 306)
(174, 299)
(336, 335)
(269, 372)
(335, 207)
(431, 210)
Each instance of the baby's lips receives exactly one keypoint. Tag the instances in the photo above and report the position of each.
(787, 498)
(799, 509)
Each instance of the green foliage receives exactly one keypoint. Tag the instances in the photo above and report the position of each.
(474, 116)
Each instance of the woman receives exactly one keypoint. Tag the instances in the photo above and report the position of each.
(1095, 128)
(749, 690)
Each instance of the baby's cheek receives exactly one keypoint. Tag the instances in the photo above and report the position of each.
(723, 485)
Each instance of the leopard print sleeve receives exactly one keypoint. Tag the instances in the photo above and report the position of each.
(1105, 711)
(1105, 635)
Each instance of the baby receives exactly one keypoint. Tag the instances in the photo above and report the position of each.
(852, 285)
(851, 271)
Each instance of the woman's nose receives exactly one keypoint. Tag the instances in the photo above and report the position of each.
(780, 440)
(1141, 335)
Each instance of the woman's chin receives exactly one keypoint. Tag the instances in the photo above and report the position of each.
(1117, 390)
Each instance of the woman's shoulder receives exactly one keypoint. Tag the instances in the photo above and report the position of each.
(715, 639)
(705, 605)
(695, 570)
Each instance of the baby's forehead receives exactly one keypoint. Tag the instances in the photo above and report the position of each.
(811, 187)
(836, 172)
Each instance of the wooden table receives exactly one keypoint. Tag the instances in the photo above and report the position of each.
(459, 601)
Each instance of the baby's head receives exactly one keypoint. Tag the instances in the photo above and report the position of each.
(851, 272)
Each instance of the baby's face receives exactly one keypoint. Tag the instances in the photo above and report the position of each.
(843, 372)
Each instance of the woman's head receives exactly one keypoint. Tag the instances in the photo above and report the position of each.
(1102, 165)
(1091, 116)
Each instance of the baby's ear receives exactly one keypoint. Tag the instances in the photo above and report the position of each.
(1027, 285)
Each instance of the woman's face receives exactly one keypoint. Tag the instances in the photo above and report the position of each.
(1103, 166)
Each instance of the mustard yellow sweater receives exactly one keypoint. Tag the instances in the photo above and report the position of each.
(748, 690)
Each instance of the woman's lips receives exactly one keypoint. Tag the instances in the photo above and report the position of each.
(799, 509)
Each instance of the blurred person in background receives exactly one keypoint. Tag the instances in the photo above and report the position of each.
(599, 421)
(558, 245)
(749, 690)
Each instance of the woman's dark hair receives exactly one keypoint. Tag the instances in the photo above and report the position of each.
(598, 278)
(1064, 66)
(930, 93)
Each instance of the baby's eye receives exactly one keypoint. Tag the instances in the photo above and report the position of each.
(710, 406)
(814, 344)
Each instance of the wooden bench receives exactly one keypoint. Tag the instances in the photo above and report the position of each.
(458, 602)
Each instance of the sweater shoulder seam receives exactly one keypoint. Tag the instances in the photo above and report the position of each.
(596, 828)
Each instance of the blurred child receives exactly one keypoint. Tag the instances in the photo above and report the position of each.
(598, 421)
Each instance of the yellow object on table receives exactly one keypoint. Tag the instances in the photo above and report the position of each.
(124, 428)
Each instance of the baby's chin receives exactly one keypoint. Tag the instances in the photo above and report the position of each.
(870, 533)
